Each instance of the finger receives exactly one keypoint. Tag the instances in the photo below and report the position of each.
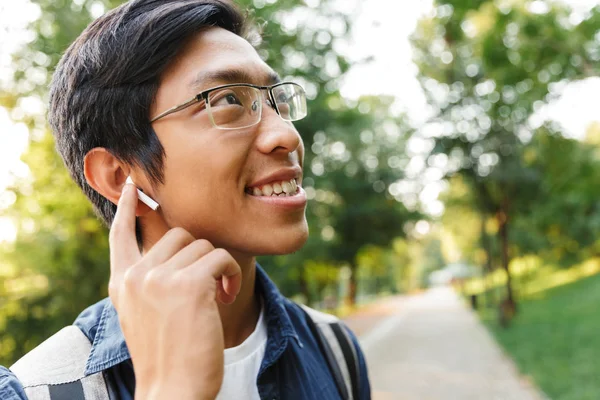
(232, 285)
(124, 250)
(220, 266)
(190, 254)
(221, 295)
(168, 246)
(223, 265)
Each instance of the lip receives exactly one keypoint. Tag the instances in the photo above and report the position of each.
(284, 174)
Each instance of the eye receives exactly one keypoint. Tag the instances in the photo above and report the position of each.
(225, 98)
(282, 97)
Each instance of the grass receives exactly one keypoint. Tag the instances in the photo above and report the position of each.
(555, 337)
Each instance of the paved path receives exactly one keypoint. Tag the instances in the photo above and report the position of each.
(431, 346)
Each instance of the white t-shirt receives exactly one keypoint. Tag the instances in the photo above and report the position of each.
(242, 364)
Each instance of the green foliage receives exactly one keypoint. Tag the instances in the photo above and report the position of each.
(487, 67)
(60, 244)
(562, 222)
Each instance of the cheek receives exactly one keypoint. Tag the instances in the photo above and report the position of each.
(203, 169)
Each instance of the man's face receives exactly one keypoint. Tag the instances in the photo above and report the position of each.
(211, 174)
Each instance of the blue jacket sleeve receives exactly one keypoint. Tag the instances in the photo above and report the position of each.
(10, 387)
(364, 386)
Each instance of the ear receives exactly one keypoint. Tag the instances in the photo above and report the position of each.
(107, 175)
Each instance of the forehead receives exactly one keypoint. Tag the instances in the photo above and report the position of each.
(207, 54)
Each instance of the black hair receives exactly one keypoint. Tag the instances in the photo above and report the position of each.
(106, 82)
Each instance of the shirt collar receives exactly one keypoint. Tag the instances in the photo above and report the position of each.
(109, 347)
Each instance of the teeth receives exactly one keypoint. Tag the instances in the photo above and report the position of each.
(287, 187)
(280, 189)
(267, 190)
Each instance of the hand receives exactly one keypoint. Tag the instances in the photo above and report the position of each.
(167, 306)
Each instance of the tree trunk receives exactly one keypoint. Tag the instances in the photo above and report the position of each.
(508, 306)
(352, 287)
(488, 267)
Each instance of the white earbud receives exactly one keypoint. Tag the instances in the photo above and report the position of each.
(144, 198)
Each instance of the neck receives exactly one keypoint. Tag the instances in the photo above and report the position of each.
(240, 317)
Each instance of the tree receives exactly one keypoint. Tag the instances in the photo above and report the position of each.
(359, 172)
(487, 67)
(562, 223)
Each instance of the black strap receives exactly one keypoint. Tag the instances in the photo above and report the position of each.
(349, 355)
(329, 356)
(67, 391)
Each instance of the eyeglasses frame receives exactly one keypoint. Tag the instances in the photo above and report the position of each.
(204, 96)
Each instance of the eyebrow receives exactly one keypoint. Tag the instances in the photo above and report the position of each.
(204, 79)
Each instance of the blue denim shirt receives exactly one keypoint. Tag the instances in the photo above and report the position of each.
(293, 366)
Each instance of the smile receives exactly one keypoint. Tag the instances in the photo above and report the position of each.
(284, 188)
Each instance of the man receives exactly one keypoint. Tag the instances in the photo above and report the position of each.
(171, 95)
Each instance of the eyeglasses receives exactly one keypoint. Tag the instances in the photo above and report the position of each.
(239, 105)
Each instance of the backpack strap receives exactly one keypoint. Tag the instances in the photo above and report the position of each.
(350, 355)
(55, 370)
(338, 349)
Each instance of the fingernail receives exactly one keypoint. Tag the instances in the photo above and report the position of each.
(128, 182)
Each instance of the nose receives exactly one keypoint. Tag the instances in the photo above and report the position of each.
(275, 134)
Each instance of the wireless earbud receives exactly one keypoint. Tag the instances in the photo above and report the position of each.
(143, 197)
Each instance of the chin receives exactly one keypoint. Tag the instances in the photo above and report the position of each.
(281, 243)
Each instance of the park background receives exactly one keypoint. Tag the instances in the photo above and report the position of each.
(447, 142)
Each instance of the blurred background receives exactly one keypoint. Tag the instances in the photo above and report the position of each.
(452, 167)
